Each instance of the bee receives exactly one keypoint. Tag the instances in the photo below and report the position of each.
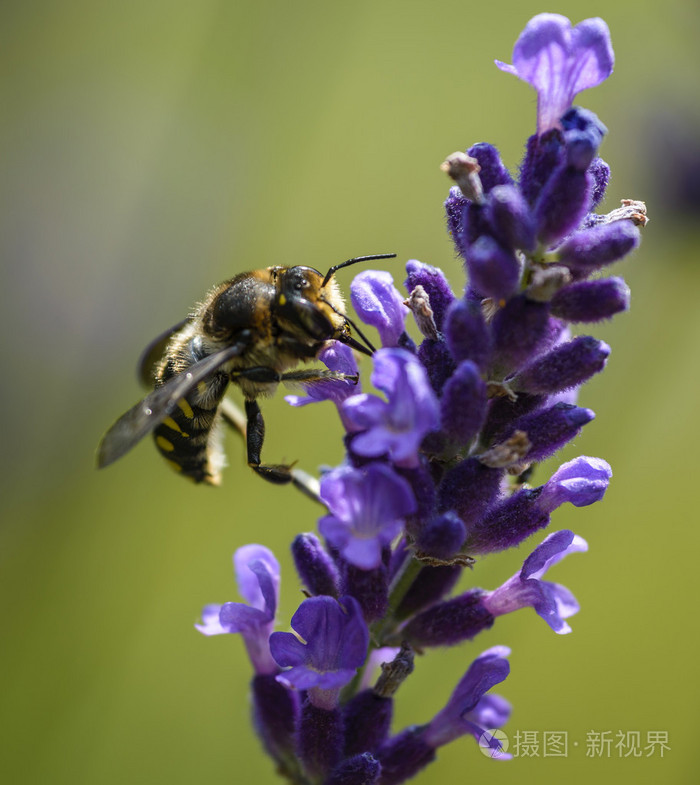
(249, 331)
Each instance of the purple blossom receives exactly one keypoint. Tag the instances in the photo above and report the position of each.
(395, 427)
(336, 357)
(329, 646)
(367, 509)
(378, 303)
(552, 602)
(258, 575)
(581, 481)
(560, 61)
(469, 709)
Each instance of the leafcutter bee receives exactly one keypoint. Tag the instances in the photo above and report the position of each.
(250, 331)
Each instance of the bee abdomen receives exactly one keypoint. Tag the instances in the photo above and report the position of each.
(187, 438)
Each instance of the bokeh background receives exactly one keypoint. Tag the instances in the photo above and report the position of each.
(151, 149)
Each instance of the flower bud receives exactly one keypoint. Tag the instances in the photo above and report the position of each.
(591, 301)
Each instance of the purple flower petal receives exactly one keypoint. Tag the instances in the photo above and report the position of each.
(367, 509)
(582, 481)
(210, 621)
(560, 61)
(398, 426)
(551, 601)
(336, 357)
(334, 640)
(463, 710)
(378, 303)
(258, 577)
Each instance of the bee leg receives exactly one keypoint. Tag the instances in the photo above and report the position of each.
(255, 435)
(302, 481)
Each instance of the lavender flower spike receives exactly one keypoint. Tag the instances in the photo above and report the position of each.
(560, 61)
(329, 646)
(258, 575)
(552, 602)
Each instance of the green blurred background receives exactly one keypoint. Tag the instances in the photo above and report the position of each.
(151, 149)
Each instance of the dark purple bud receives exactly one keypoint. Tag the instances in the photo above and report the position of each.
(562, 204)
(503, 412)
(369, 587)
(275, 710)
(550, 429)
(441, 537)
(567, 365)
(455, 205)
(469, 488)
(508, 523)
(361, 769)
(522, 331)
(493, 270)
(423, 489)
(367, 718)
(449, 622)
(404, 755)
(475, 222)
(511, 218)
(544, 154)
(316, 569)
(320, 739)
(463, 403)
(467, 334)
(435, 284)
(593, 248)
(600, 172)
(493, 172)
(591, 301)
(583, 135)
(431, 585)
(437, 361)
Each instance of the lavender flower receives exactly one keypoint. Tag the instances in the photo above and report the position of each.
(258, 575)
(379, 304)
(560, 61)
(368, 508)
(329, 646)
(395, 427)
(443, 468)
(552, 602)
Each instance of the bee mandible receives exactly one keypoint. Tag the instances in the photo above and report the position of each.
(249, 331)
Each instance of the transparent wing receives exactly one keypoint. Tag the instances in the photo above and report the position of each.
(141, 419)
(153, 353)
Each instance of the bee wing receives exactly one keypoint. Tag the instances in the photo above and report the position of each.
(153, 353)
(141, 419)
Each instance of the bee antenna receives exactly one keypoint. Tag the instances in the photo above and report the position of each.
(357, 259)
